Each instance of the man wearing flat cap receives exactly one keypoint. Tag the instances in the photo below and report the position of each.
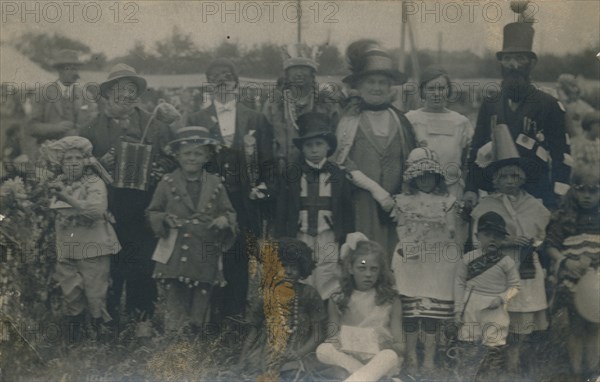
(129, 143)
(536, 120)
(63, 107)
(245, 162)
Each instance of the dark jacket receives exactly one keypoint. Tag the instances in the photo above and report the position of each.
(288, 211)
(232, 164)
(541, 118)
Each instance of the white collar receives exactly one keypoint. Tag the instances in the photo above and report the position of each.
(229, 104)
(317, 166)
(63, 87)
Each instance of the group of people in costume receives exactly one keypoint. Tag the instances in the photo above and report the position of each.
(340, 232)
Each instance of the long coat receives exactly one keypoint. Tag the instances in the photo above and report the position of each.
(197, 248)
(232, 164)
(538, 128)
(52, 108)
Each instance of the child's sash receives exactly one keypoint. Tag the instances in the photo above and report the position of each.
(483, 263)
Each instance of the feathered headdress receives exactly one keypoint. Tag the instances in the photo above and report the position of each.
(300, 55)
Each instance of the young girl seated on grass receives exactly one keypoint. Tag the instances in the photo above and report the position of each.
(368, 313)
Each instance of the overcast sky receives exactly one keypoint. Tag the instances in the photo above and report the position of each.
(561, 27)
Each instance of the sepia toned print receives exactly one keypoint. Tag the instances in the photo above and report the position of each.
(299, 191)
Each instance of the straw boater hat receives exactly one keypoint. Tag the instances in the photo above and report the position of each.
(300, 55)
(518, 36)
(66, 57)
(501, 152)
(366, 57)
(315, 125)
(192, 134)
(422, 160)
(122, 71)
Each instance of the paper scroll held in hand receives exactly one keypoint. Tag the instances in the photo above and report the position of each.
(164, 248)
(358, 340)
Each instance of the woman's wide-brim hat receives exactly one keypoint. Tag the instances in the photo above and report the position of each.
(420, 161)
(502, 152)
(315, 125)
(191, 134)
(377, 61)
(118, 72)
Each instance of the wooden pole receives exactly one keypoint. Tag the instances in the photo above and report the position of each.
(413, 52)
(402, 58)
(299, 31)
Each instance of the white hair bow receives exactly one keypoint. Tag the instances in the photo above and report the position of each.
(352, 239)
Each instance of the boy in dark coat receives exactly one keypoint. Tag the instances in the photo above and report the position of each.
(315, 204)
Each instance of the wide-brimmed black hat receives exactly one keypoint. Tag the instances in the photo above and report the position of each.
(315, 125)
(491, 221)
(518, 38)
(377, 61)
(122, 71)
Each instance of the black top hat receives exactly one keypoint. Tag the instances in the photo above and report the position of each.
(491, 221)
(518, 38)
(315, 125)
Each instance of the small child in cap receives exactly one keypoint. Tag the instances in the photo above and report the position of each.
(191, 213)
(315, 204)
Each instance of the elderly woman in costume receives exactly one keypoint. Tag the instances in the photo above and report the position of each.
(526, 219)
(84, 237)
(128, 141)
(374, 140)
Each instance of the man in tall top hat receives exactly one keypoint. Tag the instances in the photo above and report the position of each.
(299, 94)
(535, 119)
(129, 143)
(246, 165)
(63, 107)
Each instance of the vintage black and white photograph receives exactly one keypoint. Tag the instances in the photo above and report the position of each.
(300, 190)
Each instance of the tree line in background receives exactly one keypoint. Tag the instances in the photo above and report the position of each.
(178, 54)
